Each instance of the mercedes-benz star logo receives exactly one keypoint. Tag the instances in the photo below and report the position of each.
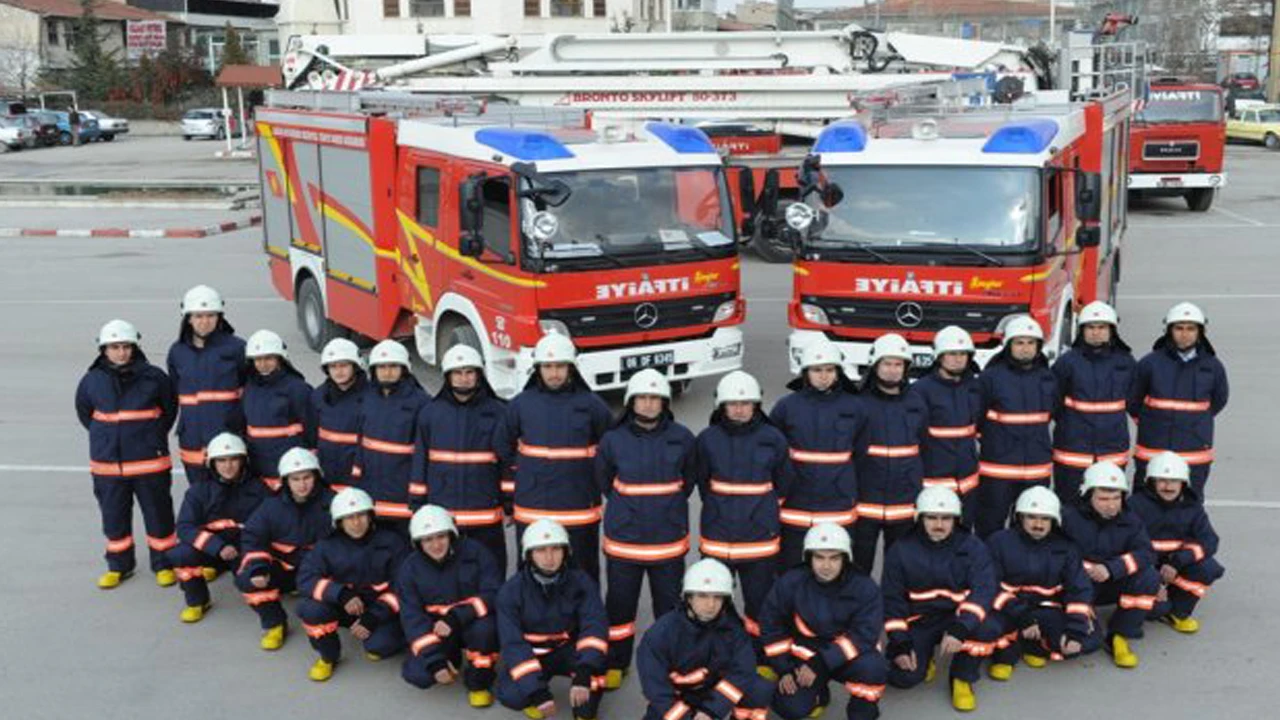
(909, 314)
(646, 316)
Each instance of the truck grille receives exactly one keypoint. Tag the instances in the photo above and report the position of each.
(1170, 150)
(635, 317)
(899, 314)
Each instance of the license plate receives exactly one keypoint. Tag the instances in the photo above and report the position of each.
(1170, 182)
(658, 359)
(922, 360)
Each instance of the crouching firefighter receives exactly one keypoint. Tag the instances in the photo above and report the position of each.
(278, 537)
(346, 582)
(447, 588)
(551, 622)
(821, 622)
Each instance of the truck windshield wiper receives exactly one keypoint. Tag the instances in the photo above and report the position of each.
(862, 245)
(937, 247)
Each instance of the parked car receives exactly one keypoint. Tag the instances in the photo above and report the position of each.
(1242, 80)
(207, 123)
(13, 133)
(88, 127)
(48, 132)
(1238, 100)
(109, 126)
(1257, 124)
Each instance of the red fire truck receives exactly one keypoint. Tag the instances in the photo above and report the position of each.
(1179, 138)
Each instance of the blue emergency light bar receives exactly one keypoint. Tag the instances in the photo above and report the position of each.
(523, 144)
(1022, 137)
(841, 137)
(681, 138)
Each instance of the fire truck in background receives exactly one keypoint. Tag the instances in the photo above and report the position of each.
(1179, 142)
(450, 221)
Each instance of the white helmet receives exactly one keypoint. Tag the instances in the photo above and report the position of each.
(118, 331)
(820, 352)
(224, 445)
(708, 576)
(389, 352)
(461, 356)
(1098, 312)
(1185, 312)
(554, 348)
(351, 501)
(340, 350)
(1039, 501)
(738, 386)
(543, 533)
(1104, 475)
(937, 501)
(952, 338)
(647, 382)
(202, 298)
(1023, 326)
(828, 536)
(265, 343)
(298, 460)
(1170, 466)
(890, 345)
(431, 520)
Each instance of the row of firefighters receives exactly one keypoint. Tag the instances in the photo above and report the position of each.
(830, 452)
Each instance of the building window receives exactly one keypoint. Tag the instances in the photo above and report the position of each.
(533, 8)
(566, 8)
(462, 8)
(429, 197)
(426, 8)
(390, 8)
(598, 9)
(51, 27)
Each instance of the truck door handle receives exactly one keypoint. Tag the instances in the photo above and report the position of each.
(467, 275)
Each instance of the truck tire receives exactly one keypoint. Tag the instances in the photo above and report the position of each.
(459, 333)
(1272, 141)
(317, 329)
(1199, 199)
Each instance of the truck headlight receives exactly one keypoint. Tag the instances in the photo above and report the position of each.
(725, 311)
(814, 314)
(554, 326)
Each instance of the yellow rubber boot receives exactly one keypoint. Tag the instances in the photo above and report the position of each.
(817, 711)
(767, 673)
(111, 579)
(480, 698)
(1189, 626)
(273, 638)
(321, 671)
(194, 613)
(613, 679)
(930, 671)
(1000, 671)
(1121, 655)
(372, 657)
(166, 578)
(962, 697)
(533, 713)
(1034, 661)
(210, 574)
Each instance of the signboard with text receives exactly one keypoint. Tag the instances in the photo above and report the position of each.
(144, 37)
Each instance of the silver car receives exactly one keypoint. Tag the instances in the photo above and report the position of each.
(13, 133)
(108, 127)
(206, 123)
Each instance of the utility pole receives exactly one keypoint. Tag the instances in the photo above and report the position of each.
(1273, 55)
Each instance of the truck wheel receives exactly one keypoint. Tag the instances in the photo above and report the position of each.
(1200, 199)
(316, 328)
(1272, 141)
(459, 333)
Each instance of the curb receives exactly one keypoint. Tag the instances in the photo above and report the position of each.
(184, 233)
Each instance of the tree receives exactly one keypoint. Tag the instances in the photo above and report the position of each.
(19, 61)
(94, 72)
(233, 52)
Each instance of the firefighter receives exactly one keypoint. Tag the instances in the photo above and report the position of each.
(277, 539)
(1019, 394)
(743, 474)
(1185, 543)
(1117, 557)
(821, 417)
(645, 469)
(388, 421)
(822, 622)
(890, 472)
(550, 434)
(1044, 608)
(696, 661)
(453, 459)
(551, 622)
(210, 520)
(953, 396)
(276, 406)
(128, 405)
(206, 366)
(335, 408)
(1178, 390)
(1094, 378)
(447, 588)
(346, 582)
(939, 584)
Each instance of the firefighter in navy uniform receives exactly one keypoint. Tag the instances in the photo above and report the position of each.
(447, 588)
(1184, 540)
(388, 425)
(206, 366)
(822, 622)
(644, 469)
(550, 435)
(890, 472)
(277, 538)
(1019, 395)
(952, 394)
(1178, 390)
(696, 661)
(276, 406)
(1094, 378)
(128, 405)
(335, 408)
(821, 417)
(453, 459)
(551, 622)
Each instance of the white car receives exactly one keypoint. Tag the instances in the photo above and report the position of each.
(109, 127)
(207, 123)
(13, 134)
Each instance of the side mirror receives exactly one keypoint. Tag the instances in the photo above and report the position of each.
(809, 175)
(768, 202)
(831, 195)
(471, 204)
(746, 191)
(471, 245)
(1087, 237)
(1088, 197)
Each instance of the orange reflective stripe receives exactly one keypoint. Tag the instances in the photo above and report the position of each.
(886, 513)
(122, 545)
(722, 487)
(645, 552)
(390, 600)
(423, 642)
(1003, 599)
(261, 597)
(417, 488)
(1193, 457)
(1166, 546)
(780, 647)
(131, 468)
(1095, 406)
(251, 556)
(870, 693)
(1130, 563)
(507, 486)
(1195, 588)
(893, 451)
(1176, 405)
(895, 626)
(621, 632)
(973, 609)
(801, 626)
(556, 453)
(1084, 460)
(587, 516)
(267, 432)
(807, 518)
(963, 486)
(820, 458)
(338, 438)
(480, 607)
(210, 396)
(1079, 608)
(1137, 602)
(1037, 589)
(191, 457)
(317, 593)
(472, 518)
(221, 524)
(161, 544)
(847, 647)
(802, 652)
(998, 471)
(382, 446)
(391, 510)
(953, 432)
(1028, 418)
(127, 415)
(730, 691)
(693, 677)
(676, 712)
(480, 659)
(648, 489)
(319, 631)
(462, 458)
(593, 643)
(524, 668)
(973, 648)
(955, 596)
(740, 550)
(1197, 550)
(542, 638)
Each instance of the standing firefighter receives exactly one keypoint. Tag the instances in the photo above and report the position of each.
(388, 424)
(128, 405)
(696, 662)
(335, 408)
(454, 461)
(953, 396)
(1094, 377)
(551, 622)
(821, 417)
(206, 365)
(822, 622)
(644, 468)
(276, 406)
(550, 434)
(1179, 389)
(447, 588)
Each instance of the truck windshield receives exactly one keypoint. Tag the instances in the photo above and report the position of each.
(1181, 106)
(635, 216)
(892, 207)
